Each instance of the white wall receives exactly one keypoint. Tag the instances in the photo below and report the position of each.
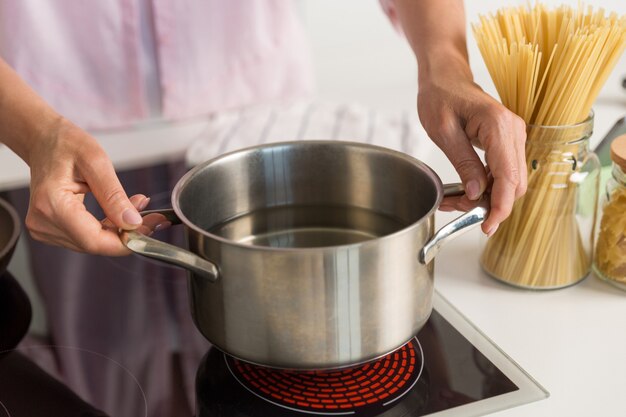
(359, 57)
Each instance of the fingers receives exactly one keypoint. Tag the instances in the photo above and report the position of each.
(519, 138)
(98, 172)
(453, 141)
(139, 201)
(57, 215)
(87, 232)
(151, 223)
(460, 203)
(63, 170)
(503, 136)
(66, 222)
(154, 222)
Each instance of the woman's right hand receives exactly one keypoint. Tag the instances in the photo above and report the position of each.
(65, 165)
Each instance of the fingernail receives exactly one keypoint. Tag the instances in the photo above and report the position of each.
(162, 226)
(144, 203)
(131, 217)
(493, 230)
(473, 190)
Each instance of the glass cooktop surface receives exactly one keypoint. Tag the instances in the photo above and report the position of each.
(449, 369)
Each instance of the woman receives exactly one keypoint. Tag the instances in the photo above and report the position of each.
(111, 64)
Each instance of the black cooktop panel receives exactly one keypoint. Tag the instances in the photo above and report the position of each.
(453, 373)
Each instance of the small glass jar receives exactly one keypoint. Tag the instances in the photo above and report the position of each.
(610, 257)
(547, 241)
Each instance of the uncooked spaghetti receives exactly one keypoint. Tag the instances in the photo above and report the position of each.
(548, 66)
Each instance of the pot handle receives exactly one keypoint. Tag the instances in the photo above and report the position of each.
(165, 252)
(456, 227)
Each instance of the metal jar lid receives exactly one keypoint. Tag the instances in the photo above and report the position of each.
(618, 151)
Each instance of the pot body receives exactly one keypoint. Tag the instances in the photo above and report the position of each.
(316, 245)
(313, 309)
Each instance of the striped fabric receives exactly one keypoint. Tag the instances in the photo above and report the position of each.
(309, 120)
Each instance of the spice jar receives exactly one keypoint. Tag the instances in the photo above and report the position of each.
(610, 256)
(547, 241)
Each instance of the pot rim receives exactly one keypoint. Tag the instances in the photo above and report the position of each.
(185, 179)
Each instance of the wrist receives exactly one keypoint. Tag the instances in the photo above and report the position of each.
(442, 63)
(32, 134)
(39, 139)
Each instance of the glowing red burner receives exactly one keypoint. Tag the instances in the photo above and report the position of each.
(378, 383)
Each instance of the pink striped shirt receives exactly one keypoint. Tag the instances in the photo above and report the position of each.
(84, 57)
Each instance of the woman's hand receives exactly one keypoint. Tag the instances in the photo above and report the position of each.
(456, 113)
(65, 165)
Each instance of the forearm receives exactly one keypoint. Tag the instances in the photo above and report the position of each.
(25, 119)
(456, 113)
(435, 30)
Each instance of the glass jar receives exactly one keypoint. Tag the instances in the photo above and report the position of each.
(610, 257)
(547, 241)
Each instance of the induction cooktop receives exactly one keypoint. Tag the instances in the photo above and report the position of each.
(449, 369)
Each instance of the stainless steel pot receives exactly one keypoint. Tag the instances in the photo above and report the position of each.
(308, 254)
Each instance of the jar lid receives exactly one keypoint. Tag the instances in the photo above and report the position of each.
(618, 151)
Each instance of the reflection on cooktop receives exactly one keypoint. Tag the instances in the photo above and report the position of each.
(28, 391)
